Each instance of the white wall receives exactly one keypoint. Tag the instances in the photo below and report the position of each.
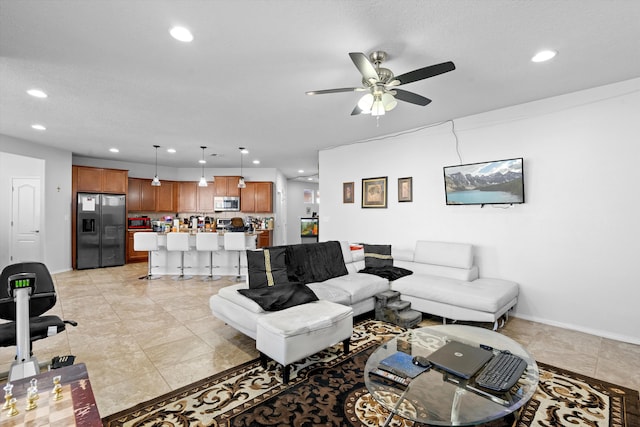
(56, 184)
(573, 246)
(296, 208)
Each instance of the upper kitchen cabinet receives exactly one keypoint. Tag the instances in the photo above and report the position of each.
(99, 180)
(167, 197)
(187, 196)
(143, 197)
(257, 197)
(205, 198)
(226, 186)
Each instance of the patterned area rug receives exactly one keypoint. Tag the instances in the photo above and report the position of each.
(327, 389)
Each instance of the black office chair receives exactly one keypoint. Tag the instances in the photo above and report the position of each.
(42, 299)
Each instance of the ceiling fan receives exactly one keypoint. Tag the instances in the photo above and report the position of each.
(382, 86)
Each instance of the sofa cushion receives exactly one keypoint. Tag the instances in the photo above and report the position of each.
(377, 256)
(280, 297)
(359, 286)
(267, 267)
(315, 262)
(488, 295)
(458, 255)
(231, 294)
(330, 293)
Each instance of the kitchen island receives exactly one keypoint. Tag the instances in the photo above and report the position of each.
(196, 263)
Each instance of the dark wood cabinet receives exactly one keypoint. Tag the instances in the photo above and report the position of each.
(135, 256)
(143, 197)
(98, 180)
(187, 196)
(114, 181)
(205, 198)
(167, 197)
(226, 186)
(264, 239)
(257, 197)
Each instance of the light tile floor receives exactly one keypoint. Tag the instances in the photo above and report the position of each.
(141, 338)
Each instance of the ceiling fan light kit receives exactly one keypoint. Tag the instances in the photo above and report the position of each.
(381, 84)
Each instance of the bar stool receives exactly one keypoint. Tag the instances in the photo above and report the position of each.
(208, 242)
(235, 241)
(179, 242)
(146, 241)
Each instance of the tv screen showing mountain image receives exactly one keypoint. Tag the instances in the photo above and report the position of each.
(487, 183)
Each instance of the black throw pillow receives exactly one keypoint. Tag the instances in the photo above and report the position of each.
(377, 256)
(280, 297)
(267, 267)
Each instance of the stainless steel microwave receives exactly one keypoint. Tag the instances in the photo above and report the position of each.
(226, 203)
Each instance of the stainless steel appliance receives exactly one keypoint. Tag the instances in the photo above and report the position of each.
(226, 203)
(101, 230)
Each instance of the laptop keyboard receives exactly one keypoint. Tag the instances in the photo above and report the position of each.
(502, 372)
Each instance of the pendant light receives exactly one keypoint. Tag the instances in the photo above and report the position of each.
(203, 181)
(241, 183)
(156, 181)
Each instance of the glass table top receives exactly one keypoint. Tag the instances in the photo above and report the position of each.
(439, 398)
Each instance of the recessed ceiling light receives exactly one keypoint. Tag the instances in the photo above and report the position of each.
(300, 170)
(171, 150)
(544, 55)
(37, 93)
(256, 162)
(38, 127)
(309, 179)
(114, 150)
(181, 34)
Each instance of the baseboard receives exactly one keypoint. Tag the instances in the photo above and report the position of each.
(570, 326)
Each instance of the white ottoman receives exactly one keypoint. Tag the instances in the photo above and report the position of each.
(297, 332)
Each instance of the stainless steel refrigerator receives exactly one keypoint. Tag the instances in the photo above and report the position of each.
(101, 230)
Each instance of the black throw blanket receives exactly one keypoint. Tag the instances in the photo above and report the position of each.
(315, 262)
(388, 272)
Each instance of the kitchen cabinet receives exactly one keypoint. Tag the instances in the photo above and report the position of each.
(205, 198)
(135, 256)
(143, 197)
(99, 180)
(187, 197)
(226, 186)
(167, 197)
(257, 197)
(264, 239)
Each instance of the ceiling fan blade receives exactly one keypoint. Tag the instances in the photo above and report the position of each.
(426, 72)
(344, 89)
(363, 65)
(356, 111)
(411, 97)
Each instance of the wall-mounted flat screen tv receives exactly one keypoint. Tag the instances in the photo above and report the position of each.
(487, 183)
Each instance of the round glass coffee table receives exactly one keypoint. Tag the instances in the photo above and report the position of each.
(439, 398)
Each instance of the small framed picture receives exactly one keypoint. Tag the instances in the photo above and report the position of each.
(374, 192)
(405, 189)
(347, 192)
(307, 196)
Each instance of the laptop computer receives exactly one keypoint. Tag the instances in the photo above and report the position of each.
(460, 359)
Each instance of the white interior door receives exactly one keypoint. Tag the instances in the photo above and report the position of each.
(26, 243)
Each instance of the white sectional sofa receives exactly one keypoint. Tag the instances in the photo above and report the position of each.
(354, 289)
(445, 282)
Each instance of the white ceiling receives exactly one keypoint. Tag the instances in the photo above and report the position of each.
(115, 77)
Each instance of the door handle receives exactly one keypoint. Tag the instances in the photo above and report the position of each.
(36, 231)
